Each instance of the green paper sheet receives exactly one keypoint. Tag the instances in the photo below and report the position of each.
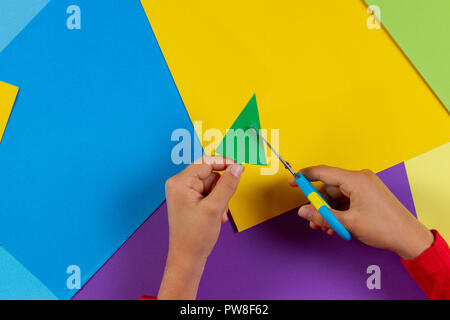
(242, 143)
(422, 30)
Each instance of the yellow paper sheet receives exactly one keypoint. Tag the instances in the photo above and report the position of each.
(429, 178)
(339, 93)
(8, 95)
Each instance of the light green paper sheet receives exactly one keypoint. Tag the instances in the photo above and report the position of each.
(422, 30)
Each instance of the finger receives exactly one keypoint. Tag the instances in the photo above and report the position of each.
(201, 186)
(329, 192)
(210, 182)
(331, 232)
(203, 166)
(328, 175)
(214, 160)
(225, 215)
(312, 225)
(325, 195)
(335, 197)
(193, 183)
(292, 182)
(344, 179)
(333, 192)
(310, 213)
(225, 187)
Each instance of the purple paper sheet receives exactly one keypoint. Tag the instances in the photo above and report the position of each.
(279, 259)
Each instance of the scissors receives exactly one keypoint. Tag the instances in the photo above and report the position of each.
(313, 195)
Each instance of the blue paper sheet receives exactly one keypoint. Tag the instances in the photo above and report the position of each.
(89, 140)
(17, 283)
(15, 15)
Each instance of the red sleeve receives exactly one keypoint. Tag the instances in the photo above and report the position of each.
(431, 270)
(148, 298)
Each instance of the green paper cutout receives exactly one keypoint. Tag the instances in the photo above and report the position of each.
(242, 143)
(422, 30)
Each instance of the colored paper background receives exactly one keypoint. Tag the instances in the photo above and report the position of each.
(14, 17)
(278, 259)
(422, 30)
(89, 139)
(339, 93)
(17, 283)
(8, 95)
(123, 278)
(429, 176)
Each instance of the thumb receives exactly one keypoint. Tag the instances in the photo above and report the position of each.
(310, 213)
(225, 187)
(344, 179)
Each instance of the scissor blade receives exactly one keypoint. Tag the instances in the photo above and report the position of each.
(285, 163)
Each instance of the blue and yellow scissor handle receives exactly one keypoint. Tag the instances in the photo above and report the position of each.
(321, 205)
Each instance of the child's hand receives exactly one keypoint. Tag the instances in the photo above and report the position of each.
(368, 210)
(197, 202)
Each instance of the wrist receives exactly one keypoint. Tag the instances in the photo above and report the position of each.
(181, 277)
(414, 245)
(185, 263)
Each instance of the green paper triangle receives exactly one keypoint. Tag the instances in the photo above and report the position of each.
(242, 143)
